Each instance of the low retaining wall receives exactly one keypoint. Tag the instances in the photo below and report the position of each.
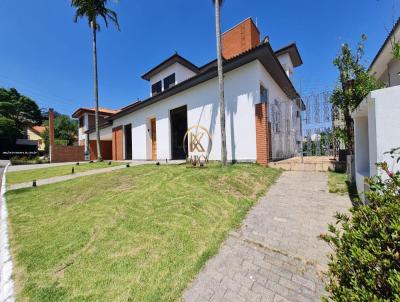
(62, 154)
(6, 266)
(312, 164)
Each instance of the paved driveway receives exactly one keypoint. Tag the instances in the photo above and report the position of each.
(276, 254)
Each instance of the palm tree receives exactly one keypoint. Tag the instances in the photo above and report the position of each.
(93, 9)
(217, 5)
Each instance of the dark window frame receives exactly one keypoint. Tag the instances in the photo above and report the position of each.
(81, 122)
(169, 81)
(156, 88)
(264, 94)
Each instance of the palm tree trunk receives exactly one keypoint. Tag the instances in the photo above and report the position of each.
(96, 92)
(220, 82)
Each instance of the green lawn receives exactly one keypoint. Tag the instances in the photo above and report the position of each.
(43, 173)
(338, 183)
(137, 234)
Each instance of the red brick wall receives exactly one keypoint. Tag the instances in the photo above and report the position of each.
(63, 154)
(106, 150)
(262, 134)
(239, 39)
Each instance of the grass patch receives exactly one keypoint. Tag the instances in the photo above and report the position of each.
(338, 183)
(17, 177)
(138, 234)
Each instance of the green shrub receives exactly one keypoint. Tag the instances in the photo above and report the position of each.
(61, 142)
(366, 262)
(24, 160)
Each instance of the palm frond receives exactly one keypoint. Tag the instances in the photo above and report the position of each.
(91, 9)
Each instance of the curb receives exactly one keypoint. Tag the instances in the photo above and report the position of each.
(6, 266)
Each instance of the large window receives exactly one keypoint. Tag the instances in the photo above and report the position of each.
(156, 88)
(169, 81)
(264, 95)
(81, 122)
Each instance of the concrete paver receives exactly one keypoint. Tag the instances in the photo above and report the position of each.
(3, 163)
(276, 254)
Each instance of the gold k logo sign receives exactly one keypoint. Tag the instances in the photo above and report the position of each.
(200, 144)
(195, 142)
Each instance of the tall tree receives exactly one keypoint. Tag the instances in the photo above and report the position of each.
(92, 10)
(65, 131)
(354, 84)
(17, 112)
(217, 5)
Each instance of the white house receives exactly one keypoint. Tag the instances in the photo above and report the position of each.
(262, 105)
(377, 118)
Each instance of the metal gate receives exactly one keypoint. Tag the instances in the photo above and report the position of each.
(285, 129)
(317, 121)
(296, 133)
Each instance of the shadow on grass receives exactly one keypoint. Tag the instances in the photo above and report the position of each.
(352, 192)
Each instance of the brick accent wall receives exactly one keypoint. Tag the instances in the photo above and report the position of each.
(262, 134)
(106, 150)
(239, 39)
(62, 154)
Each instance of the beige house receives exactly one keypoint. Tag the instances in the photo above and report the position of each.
(35, 134)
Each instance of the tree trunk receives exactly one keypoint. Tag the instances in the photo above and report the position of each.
(220, 82)
(348, 120)
(349, 131)
(96, 92)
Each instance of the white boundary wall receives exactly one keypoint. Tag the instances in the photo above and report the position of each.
(6, 266)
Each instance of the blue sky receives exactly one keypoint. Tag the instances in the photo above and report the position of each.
(49, 58)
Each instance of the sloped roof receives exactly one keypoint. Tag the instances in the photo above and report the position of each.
(175, 58)
(263, 53)
(38, 129)
(103, 111)
(385, 43)
(293, 52)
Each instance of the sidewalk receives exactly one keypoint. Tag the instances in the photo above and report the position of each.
(276, 254)
(40, 166)
(42, 182)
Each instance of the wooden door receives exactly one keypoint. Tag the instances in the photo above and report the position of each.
(117, 143)
(153, 136)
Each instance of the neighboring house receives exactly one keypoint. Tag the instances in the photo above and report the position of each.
(377, 118)
(35, 134)
(262, 105)
(86, 121)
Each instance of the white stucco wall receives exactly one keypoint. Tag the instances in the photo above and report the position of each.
(181, 73)
(394, 70)
(105, 134)
(242, 92)
(81, 131)
(378, 119)
(286, 63)
(284, 141)
(387, 108)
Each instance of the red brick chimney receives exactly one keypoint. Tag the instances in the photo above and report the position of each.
(51, 133)
(240, 38)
